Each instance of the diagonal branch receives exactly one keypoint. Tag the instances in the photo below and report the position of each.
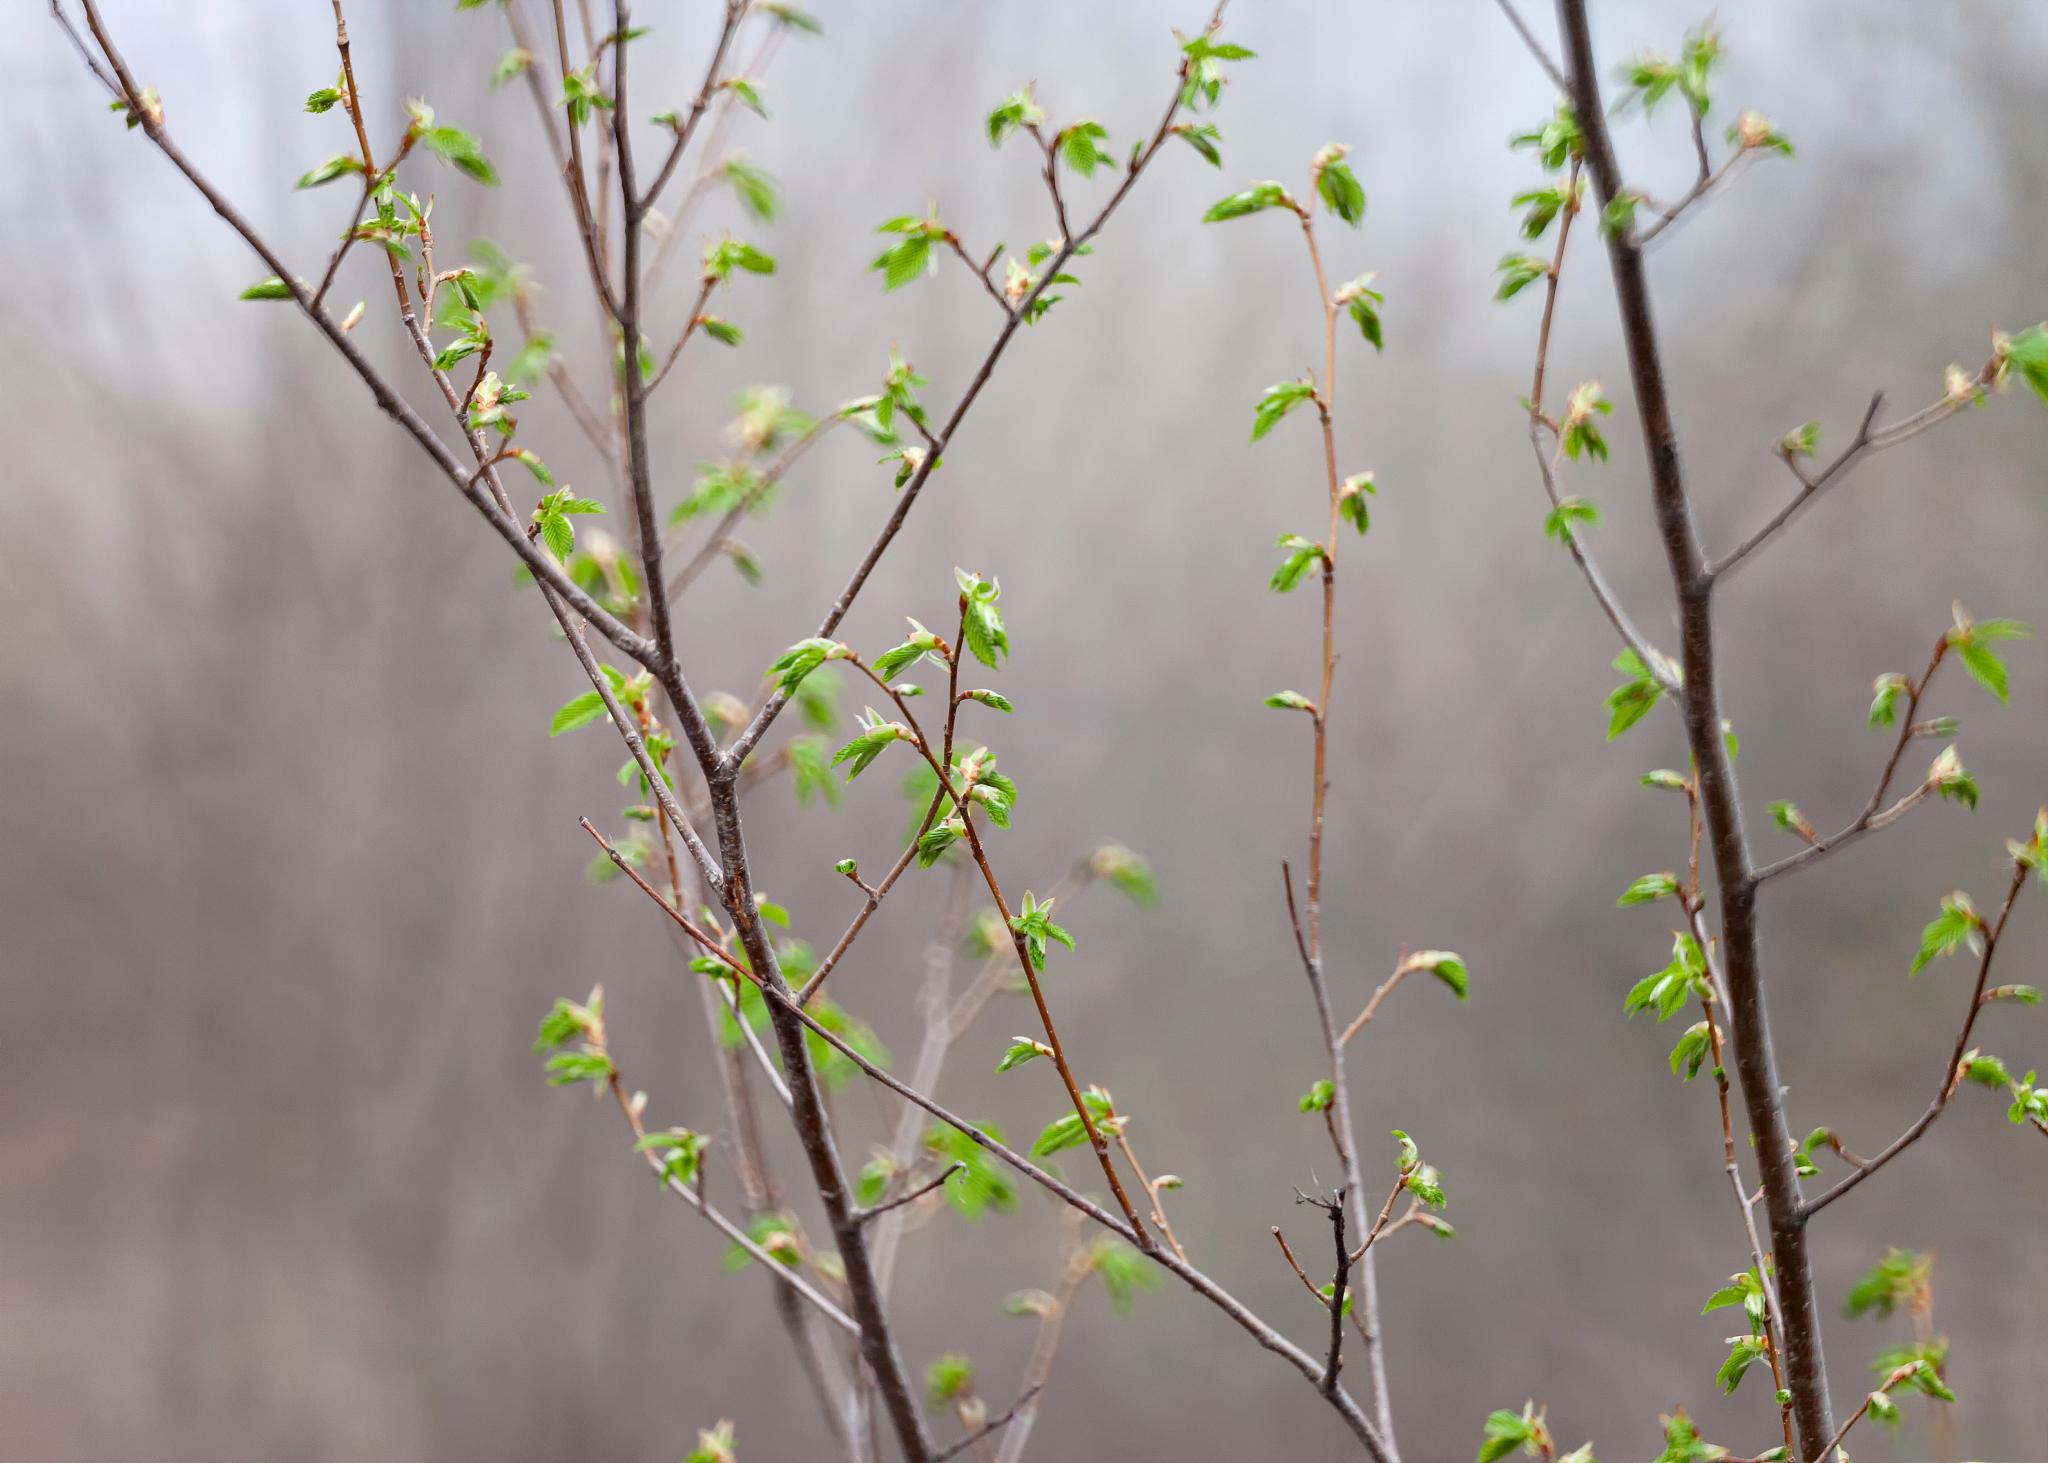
(725, 1226)
(1869, 438)
(735, 12)
(1875, 814)
(1536, 49)
(758, 728)
(1546, 466)
(1951, 1076)
(543, 568)
(1720, 800)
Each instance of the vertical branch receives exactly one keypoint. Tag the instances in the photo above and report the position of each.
(1755, 1058)
(813, 1124)
(1342, 1133)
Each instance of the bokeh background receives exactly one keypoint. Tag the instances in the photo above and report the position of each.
(291, 867)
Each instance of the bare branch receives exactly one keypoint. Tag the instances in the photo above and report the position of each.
(735, 11)
(1875, 814)
(1543, 59)
(990, 1428)
(913, 1195)
(1869, 438)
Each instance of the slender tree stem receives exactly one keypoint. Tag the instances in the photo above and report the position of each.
(1756, 1061)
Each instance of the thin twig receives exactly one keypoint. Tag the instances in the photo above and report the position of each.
(1869, 438)
(1550, 67)
(1603, 593)
(1720, 798)
(914, 1195)
(1951, 1077)
(988, 1429)
(781, 1272)
(1875, 814)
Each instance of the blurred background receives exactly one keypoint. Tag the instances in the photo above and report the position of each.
(291, 867)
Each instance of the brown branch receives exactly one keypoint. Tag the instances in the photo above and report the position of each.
(913, 1195)
(690, 329)
(1543, 59)
(1706, 182)
(965, 805)
(1372, 1006)
(734, 13)
(1338, 1117)
(1720, 801)
(1869, 438)
(988, 1429)
(577, 179)
(1875, 814)
(979, 271)
(1294, 1264)
(738, 1235)
(1603, 593)
(1158, 1209)
(1339, 1283)
(386, 397)
(1951, 1076)
(1732, 1166)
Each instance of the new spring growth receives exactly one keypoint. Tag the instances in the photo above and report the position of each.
(874, 735)
(1580, 434)
(1352, 491)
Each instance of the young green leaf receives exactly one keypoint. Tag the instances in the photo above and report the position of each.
(1569, 518)
(577, 711)
(1255, 199)
(1338, 186)
(1649, 887)
(1446, 965)
(1517, 272)
(1957, 926)
(1302, 555)
(1277, 402)
(1022, 1049)
(987, 640)
(1019, 109)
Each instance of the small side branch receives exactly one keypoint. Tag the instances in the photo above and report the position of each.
(911, 1197)
(1339, 1285)
(988, 1429)
(1543, 58)
(1875, 814)
(1870, 438)
(725, 1226)
(1951, 1076)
